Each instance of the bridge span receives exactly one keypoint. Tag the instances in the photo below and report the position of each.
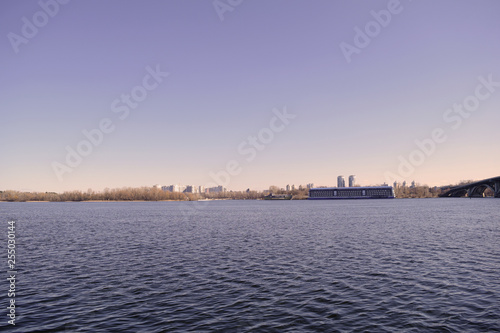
(474, 190)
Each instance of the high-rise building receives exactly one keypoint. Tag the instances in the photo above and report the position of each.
(191, 189)
(169, 188)
(288, 188)
(217, 189)
(173, 188)
(352, 180)
(310, 186)
(340, 181)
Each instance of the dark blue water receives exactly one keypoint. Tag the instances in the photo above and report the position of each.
(416, 265)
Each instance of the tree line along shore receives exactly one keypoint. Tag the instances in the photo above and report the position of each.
(155, 194)
(123, 194)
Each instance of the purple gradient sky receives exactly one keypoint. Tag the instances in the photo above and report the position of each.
(225, 79)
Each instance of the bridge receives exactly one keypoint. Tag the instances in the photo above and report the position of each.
(474, 190)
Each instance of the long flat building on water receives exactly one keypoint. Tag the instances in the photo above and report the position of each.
(367, 192)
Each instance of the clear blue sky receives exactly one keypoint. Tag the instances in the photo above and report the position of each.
(226, 76)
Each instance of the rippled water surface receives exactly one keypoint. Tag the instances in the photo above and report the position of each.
(421, 265)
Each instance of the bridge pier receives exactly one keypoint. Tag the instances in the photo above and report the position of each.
(474, 190)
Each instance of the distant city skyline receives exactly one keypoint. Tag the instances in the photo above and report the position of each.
(179, 188)
(128, 94)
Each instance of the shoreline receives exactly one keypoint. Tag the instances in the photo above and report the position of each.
(223, 199)
(125, 200)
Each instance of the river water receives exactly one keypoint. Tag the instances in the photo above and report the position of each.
(411, 265)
